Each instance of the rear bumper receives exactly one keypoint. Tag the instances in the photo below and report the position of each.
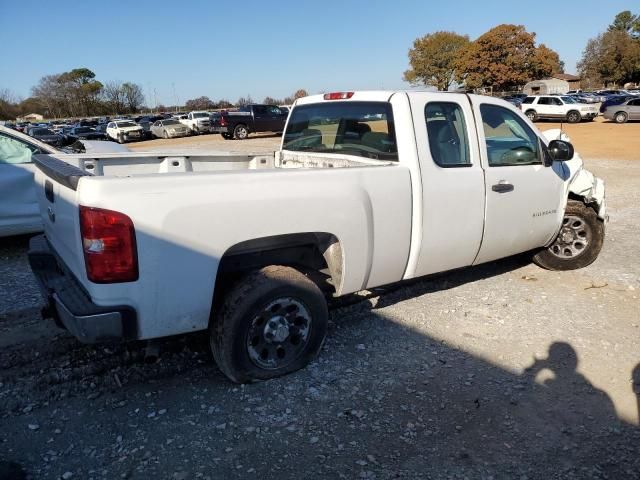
(70, 306)
(218, 129)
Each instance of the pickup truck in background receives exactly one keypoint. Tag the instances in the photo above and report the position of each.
(368, 189)
(197, 122)
(249, 119)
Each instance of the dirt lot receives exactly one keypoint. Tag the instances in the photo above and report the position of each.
(499, 371)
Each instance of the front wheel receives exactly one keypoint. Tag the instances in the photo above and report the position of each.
(532, 115)
(578, 243)
(573, 117)
(273, 322)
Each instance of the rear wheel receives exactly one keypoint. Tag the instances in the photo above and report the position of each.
(273, 322)
(578, 243)
(240, 132)
(532, 115)
(621, 117)
(165, 135)
(573, 117)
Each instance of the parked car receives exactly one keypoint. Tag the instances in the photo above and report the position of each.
(626, 111)
(87, 133)
(145, 122)
(124, 131)
(538, 107)
(46, 135)
(250, 119)
(19, 213)
(169, 128)
(613, 100)
(197, 122)
(364, 200)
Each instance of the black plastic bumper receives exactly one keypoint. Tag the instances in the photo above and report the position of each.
(70, 306)
(219, 130)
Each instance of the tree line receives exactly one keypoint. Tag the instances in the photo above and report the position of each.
(506, 58)
(75, 93)
(205, 103)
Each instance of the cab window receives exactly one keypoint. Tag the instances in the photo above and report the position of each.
(447, 134)
(509, 140)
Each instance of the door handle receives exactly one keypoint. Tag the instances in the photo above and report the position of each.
(502, 187)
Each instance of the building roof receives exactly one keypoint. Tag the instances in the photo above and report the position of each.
(566, 76)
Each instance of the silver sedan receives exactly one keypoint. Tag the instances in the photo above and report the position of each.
(629, 110)
(169, 128)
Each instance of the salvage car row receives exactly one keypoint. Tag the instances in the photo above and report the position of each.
(616, 105)
(231, 124)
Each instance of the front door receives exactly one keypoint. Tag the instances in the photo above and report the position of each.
(452, 179)
(525, 200)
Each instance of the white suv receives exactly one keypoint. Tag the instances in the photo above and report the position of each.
(124, 131)
(564, 107)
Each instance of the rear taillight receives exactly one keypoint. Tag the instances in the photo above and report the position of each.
(109, 245)
(223, 121)
(338, 95)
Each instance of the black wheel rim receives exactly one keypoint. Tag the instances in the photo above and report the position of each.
(573, 239)
(279, 334)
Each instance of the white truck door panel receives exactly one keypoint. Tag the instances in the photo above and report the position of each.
(525, 199)
(453, 191)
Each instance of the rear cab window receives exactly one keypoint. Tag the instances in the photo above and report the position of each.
(364, 129)
(447, 134)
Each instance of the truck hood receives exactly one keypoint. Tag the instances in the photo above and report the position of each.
(581, 181)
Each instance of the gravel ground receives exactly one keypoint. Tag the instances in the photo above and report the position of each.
(499, 371)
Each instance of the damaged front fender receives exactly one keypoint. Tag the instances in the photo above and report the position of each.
(581, 182)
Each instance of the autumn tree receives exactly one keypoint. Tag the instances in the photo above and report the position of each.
(433, 57)
(505, 57)
(8, 105)
(300, 93)
(613, 57)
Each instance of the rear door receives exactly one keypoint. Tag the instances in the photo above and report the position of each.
(544, 107)
(633, 108)
(453, 188)
(525, 200)
(19, 212)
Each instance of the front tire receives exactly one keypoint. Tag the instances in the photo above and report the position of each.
(573, 117)
(578, 243)
(621, 117)
(165, 135)
(273, 322)
(532, 115)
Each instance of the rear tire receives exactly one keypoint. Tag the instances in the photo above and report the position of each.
(532, 115)
(165, 135)
(240, 132)
(573, 117)
(621, 117)
(578, 243)
(273, 322)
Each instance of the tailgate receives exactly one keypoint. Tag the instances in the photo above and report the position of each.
(56, 186)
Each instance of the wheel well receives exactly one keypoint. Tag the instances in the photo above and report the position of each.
(573, 111)
(316, 254)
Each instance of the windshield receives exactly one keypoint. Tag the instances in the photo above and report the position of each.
(364, 129)
(125, 124)
(171, 122)
(568, 100)
(42, 131)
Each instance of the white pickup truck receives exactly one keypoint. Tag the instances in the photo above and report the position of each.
(368, 189)
(197, 122)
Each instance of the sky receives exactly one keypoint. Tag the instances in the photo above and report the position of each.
(259, 48)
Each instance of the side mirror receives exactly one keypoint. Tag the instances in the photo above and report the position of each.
(560, 150)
